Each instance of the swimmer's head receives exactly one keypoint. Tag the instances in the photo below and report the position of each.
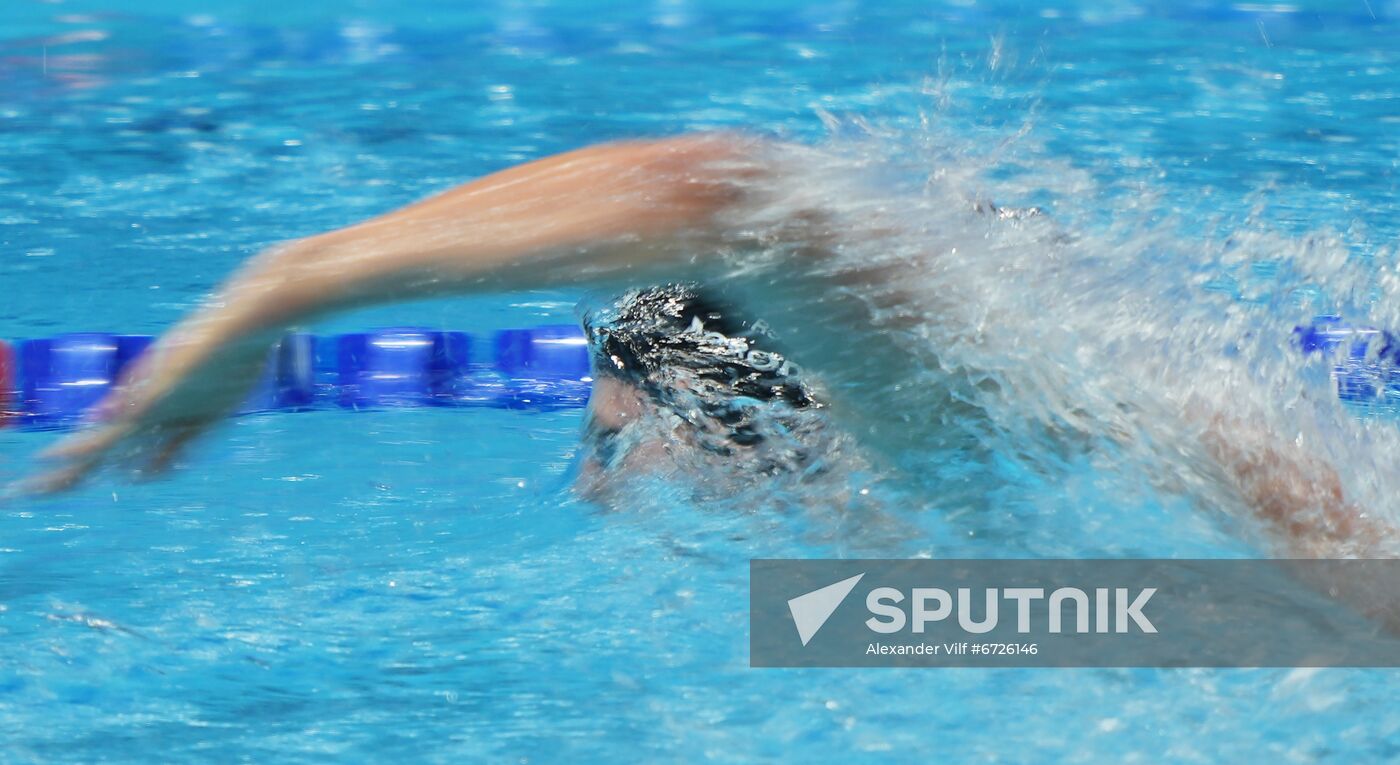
(660, 337)
(678, 374)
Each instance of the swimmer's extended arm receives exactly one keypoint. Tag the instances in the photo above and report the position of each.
(585, 214)
(1296, 495)
(590, 214)
(1300, 499)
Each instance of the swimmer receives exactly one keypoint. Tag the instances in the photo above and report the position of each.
(712, 210)
(684, 386)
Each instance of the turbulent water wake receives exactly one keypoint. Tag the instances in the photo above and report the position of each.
(1105, 327)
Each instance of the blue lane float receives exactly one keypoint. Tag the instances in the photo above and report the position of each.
(544, 367)
(289, 381)
(1365, 360)
(54, 382)
(61, 377)
(401, 367)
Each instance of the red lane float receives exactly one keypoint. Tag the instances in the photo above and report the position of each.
(7, 383)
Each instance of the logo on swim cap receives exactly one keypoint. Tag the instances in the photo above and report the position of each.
(656, 335)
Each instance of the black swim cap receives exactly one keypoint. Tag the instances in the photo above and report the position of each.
(692, 357)
(647, 335)
(700, 366)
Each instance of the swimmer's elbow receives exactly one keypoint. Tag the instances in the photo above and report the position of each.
(703, 174)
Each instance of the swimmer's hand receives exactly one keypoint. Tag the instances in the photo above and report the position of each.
(173, 393)
(636, 211)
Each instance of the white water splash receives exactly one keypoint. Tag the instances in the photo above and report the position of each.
(1100, 328)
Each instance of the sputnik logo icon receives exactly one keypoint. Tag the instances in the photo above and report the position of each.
(810, 611)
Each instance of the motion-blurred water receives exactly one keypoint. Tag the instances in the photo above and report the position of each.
(418, 584)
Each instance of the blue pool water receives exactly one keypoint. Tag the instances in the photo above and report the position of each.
(419, 584)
